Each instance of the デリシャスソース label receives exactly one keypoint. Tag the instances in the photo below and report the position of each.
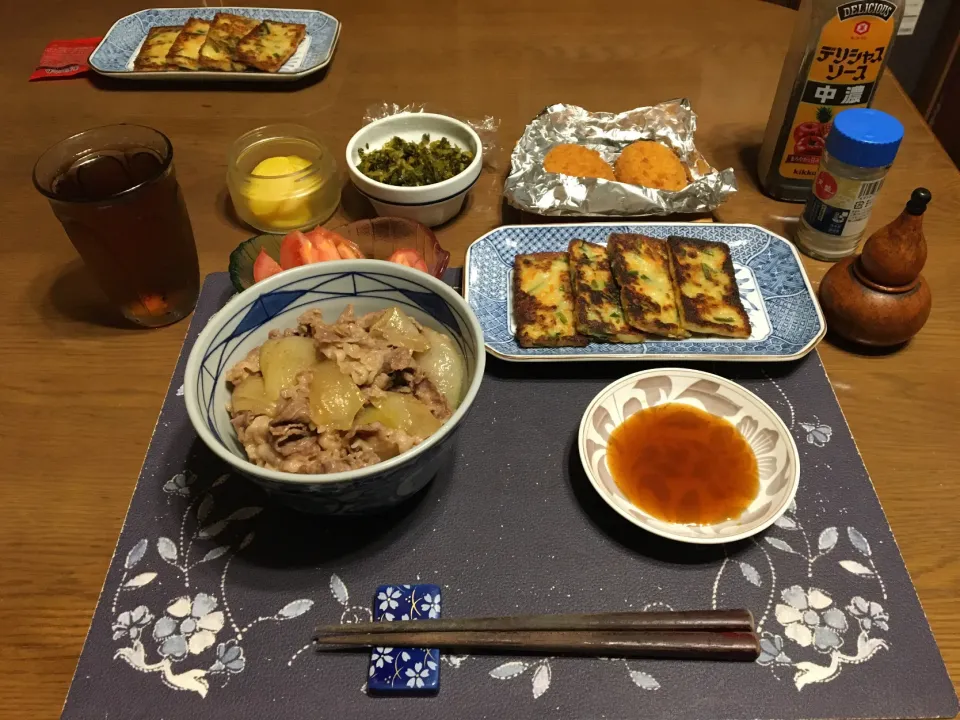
(843, 74)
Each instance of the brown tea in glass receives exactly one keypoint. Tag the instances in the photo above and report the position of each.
(115, 192)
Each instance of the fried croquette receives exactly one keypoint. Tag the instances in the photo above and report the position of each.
(652, 165)
(576, 160)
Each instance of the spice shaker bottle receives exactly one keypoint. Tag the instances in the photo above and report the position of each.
(860, 150)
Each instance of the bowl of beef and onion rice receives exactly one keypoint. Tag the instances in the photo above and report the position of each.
(338, 386)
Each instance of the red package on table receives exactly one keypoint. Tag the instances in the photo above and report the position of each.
(64, 59)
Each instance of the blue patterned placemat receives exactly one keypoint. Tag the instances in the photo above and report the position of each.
(211, 598)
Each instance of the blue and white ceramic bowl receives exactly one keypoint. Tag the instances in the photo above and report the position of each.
(277, 302)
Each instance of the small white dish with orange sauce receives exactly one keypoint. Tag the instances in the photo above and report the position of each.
(689, 456)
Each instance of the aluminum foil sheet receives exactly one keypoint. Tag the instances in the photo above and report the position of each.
(529, 187)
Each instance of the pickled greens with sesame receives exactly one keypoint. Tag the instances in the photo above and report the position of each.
(410, 164)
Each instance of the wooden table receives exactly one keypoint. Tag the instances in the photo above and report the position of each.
(81, 392)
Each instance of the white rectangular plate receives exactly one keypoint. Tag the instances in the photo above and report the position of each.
(115, 54)
(784, 314)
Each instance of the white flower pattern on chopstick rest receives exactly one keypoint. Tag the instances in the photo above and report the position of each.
(411, 667)
(431, 606)
(388, 599)
(381, 656)
(418, 673)
(188, 632)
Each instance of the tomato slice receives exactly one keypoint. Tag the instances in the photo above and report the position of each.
(265, 266)
(410, 258)
(296, 250)
(333, 246)
(323, 244)
(349, 250)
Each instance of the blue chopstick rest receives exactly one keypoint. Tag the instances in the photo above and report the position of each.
(405, 671)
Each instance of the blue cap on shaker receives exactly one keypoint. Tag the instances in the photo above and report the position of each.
(864, 137)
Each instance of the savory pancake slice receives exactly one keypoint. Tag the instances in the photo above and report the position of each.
(596, 298)
(543, 301)
(270, 44)
(226, 32)
(707, 289)
(185, 51)
(153, 53)
(641, 267)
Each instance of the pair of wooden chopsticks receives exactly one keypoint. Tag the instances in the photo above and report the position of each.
(697, 634)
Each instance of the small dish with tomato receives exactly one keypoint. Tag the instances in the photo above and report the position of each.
(393, 239)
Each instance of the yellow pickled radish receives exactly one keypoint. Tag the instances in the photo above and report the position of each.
(280, 165)
(272, 197)
(292, 214)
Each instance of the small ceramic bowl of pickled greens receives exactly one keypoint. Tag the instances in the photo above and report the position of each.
(418, 166)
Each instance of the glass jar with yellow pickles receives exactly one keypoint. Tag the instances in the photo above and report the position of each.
(282, 178)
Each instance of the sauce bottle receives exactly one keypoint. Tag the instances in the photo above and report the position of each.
(835, 60)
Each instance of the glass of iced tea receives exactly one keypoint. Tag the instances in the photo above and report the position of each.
(115, 192)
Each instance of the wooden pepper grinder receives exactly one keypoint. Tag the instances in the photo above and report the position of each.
(879, 297)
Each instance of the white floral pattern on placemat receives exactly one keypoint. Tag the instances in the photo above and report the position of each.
(195, 637)
(813, 629)
(142, 589)
(542, 674)
(811, 620)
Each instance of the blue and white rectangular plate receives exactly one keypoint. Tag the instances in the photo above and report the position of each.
(115, 54)
(784, 313)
